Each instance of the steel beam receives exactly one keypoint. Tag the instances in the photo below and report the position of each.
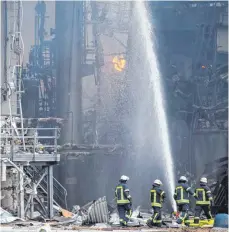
(33, 158)
(50, 191)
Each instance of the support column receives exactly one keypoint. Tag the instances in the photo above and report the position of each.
(21, 203)
(69, 59)
(32, 208)
(50, 191)
(3, 171)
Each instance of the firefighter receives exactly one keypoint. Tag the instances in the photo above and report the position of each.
(181, 197)
(203, 201)
(124, 201)
(157, 196)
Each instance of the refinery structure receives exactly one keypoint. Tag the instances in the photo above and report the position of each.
(81, 106)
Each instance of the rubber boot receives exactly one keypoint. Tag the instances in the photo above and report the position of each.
(149, 223)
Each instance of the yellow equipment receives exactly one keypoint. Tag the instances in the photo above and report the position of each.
(203, 223)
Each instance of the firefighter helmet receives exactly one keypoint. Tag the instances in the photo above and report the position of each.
(183, 178)
(204, 180)
(125, 178)
(158, 182)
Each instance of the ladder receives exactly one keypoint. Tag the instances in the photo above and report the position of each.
(15, 61)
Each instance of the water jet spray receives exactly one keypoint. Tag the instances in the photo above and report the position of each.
(157, 90)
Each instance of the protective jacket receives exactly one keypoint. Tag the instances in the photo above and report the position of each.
(182, 192)
(157, 196)
(203, 195)
(122, 194)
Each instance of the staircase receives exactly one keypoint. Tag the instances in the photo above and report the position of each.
(60, 193)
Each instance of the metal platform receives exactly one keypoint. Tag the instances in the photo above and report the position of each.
(86, 149)
(32, 152)
(33, 159)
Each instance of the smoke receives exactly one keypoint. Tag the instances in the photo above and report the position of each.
(126, 118)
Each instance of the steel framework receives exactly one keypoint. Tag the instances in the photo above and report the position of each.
(41, 67)
(198, 88)
(37, 187)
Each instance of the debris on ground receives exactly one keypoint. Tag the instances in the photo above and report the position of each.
(64, 221)
(114, 218)
(44, 228)
(100, 226)
(64, 212)
(137, 219)
(6, 217)
(97, 215)
(91, 213)
(98, 211)
(27, 223)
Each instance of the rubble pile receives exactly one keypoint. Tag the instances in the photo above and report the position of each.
(97, 215)
(6, 217)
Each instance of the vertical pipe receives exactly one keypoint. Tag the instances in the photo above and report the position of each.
(21, 193)
(3, 171)
(98, 72)
(55, 141)
(31, 207)
(50, 191)
(34, 143)
(5, 40)
(69, 89)
(12, 144)
(68, 39)
(75, 81)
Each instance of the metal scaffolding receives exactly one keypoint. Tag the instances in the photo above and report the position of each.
(29, 150)
(40, 74)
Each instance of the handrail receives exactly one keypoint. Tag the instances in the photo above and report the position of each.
(31, 146)
(29, 137)
(36, 170)
(64, 193)
(31, 128)
(33, 140)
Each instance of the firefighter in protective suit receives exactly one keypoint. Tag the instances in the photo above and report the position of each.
(157, 196)
(181, 197)
(203, 201)
(124, 201)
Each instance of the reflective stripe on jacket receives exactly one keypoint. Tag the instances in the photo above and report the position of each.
(157, 196)
(181, 194)
(121, 194)
(203, 195)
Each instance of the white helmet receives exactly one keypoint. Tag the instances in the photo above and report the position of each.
(125, 178)
(204, 180)
(183, 178)
(158, 182)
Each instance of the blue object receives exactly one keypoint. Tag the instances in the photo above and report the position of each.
(221, 220)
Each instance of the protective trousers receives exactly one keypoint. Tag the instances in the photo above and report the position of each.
(124, 212)
(183, 209)
(155, 220)
(198, 210)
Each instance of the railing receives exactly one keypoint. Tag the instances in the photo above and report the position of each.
(33, 141)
